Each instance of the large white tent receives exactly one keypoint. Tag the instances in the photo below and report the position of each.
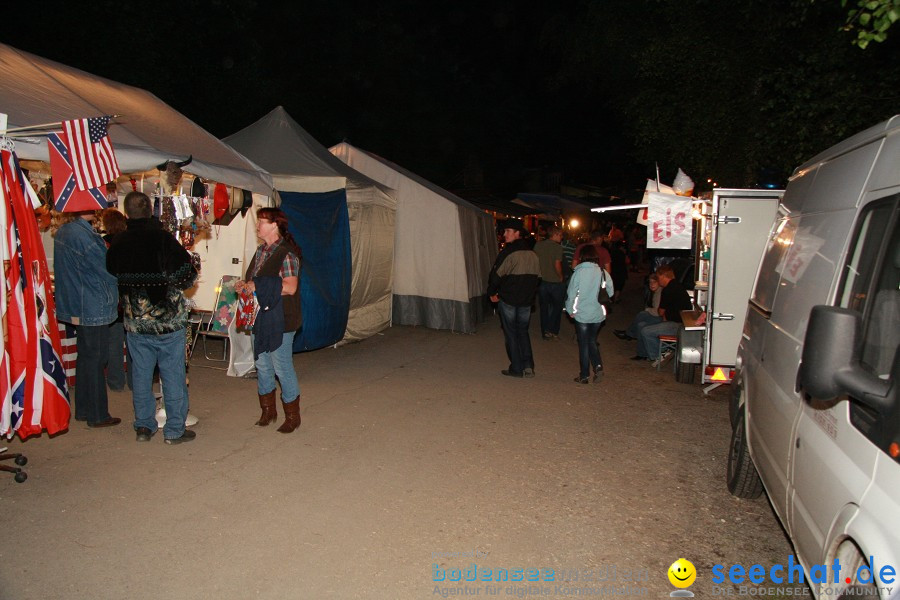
(298, 163)
(443, 249)
(148, 132)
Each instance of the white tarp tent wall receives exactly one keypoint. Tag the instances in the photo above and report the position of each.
(34, 90)
(443, 250)
(298, 163)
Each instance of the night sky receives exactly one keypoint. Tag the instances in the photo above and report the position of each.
(597, 92)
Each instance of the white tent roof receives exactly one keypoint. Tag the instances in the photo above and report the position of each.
(34, 90)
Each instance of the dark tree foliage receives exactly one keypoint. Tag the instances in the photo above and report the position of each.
(726, 89)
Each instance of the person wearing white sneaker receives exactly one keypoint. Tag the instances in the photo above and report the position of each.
(153, 270)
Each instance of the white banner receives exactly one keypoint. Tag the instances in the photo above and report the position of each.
(668, 221)
(651, 187)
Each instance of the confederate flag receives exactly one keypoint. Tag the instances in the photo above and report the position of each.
(67, 196)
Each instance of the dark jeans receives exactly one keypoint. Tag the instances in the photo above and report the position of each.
(515, 320)
(115, 369)
(91, 402)
(588, 348)
(553, 298)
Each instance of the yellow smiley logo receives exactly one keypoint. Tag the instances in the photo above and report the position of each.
(682, 573)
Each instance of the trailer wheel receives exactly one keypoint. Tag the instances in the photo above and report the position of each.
(684, 372)
(743, 480)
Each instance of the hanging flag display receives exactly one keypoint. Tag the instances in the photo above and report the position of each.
(67, 196)
(90, 149)
(33, 389)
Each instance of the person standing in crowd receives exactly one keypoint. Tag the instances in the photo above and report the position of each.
(274, 276)
(513, 283)
(86, 296)
(568, 247)
(673, 300)
(153, 270)
(618, 262)
(603, 257)
(552, 290)
(584, 307)
(113, 223)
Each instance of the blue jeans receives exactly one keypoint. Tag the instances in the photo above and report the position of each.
(553, 298)
(588, 348)
(648, 340)
(166, 350)
(91, 402)
(641, 320)
(515, 321)
(278, 363)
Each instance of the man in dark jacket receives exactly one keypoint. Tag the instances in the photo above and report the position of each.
(513, 283)
(153, 271)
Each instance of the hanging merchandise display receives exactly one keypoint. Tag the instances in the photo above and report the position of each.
(33, 391)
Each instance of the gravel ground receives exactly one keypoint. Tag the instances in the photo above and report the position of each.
(416, 460)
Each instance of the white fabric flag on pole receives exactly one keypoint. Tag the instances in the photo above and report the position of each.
(669, 221)
(651, 187)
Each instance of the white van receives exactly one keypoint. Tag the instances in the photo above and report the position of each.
(815, 411)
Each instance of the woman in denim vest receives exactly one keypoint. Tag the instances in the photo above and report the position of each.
(87, 297)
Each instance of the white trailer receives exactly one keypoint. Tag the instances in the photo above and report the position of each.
(735, 227)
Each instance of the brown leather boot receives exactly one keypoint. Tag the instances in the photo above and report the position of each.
(291, 416)
(267, 404)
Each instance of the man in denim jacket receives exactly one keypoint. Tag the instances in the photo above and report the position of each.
(87, 297)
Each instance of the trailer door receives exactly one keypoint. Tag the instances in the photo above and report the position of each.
(742, 220)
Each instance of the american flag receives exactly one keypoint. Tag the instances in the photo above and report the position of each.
(67, 196)
(93, 159)
(33, 387)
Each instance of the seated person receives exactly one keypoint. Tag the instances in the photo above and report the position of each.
(673, 300)
(648, 316)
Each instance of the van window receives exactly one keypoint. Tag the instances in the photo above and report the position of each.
(871, 283)
(771, 267)
(871, 286)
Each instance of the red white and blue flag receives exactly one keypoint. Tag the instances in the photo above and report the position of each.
(33, 389)
(67, 195)
(93, 160)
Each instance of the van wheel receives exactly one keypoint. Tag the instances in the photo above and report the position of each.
(684, 372)
(743, 480)
(735, 401)
(851, 559)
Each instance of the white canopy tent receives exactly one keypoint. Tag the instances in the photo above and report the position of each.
(443, 250)
(148, 132)
(298, 163)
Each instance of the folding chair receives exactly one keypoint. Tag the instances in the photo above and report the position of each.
(668, 346)
(215, 324)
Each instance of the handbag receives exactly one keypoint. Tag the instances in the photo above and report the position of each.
(602, 296)
(247, 309)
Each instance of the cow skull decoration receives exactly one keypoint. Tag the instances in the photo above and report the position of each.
(171, 174)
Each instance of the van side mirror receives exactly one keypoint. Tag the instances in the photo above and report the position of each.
(831, 366)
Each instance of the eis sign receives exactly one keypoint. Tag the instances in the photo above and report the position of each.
(668, 221)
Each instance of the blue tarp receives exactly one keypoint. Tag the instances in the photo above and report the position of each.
(321, 227)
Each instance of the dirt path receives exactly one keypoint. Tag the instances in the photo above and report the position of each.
(415, 458)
